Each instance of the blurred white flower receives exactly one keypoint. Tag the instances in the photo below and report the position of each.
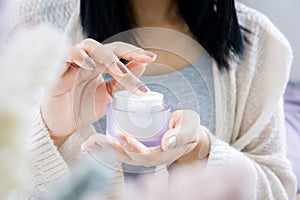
(29, 61)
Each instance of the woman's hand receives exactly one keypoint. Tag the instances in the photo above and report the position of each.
(80, 95)
(184, 135)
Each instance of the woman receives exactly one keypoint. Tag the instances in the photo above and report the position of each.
(247, 130)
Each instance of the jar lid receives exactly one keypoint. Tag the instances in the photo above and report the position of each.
(151, 101)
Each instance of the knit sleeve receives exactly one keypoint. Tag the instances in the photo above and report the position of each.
(258, 142)
(46, 164)
(263, 166)
(49, 164)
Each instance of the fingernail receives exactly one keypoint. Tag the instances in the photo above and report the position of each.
(122, 139)
(142, 87)
(123, 143)
(89, 63)
(122, 67)
(149, 54)
(171, 142)
(83, 149)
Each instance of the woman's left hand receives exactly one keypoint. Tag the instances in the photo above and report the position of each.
(184, 135)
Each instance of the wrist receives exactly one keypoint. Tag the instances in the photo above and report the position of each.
(58, 141)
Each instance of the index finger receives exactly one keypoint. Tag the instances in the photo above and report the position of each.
(130, 52)
(104, 56)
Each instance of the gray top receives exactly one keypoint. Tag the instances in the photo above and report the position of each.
(189, 88)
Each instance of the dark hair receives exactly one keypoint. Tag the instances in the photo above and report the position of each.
(214, 23)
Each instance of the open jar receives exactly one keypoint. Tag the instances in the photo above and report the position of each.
(146, 118)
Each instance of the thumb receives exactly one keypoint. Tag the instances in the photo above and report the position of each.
(185, 131)
(174, 138)
(169, 140)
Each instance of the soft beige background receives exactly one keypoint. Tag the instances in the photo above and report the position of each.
(285, 14)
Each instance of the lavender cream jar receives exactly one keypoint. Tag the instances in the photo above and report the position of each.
(146, 118)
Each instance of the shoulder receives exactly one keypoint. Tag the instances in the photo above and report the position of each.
(260, 26)
(267, 49)
(34, 12)
(262, 72)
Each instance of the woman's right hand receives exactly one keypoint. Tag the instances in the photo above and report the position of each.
(80, 95)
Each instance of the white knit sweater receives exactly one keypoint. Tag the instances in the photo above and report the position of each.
(248, 98)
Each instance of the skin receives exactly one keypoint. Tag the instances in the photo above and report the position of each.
(163, 14)
(185, 138)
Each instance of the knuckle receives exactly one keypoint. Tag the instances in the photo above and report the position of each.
(118, 43)
(89, 42)
(128, 46)
(192, 114)
(86, 42)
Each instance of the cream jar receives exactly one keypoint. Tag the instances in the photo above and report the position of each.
(146, 118)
